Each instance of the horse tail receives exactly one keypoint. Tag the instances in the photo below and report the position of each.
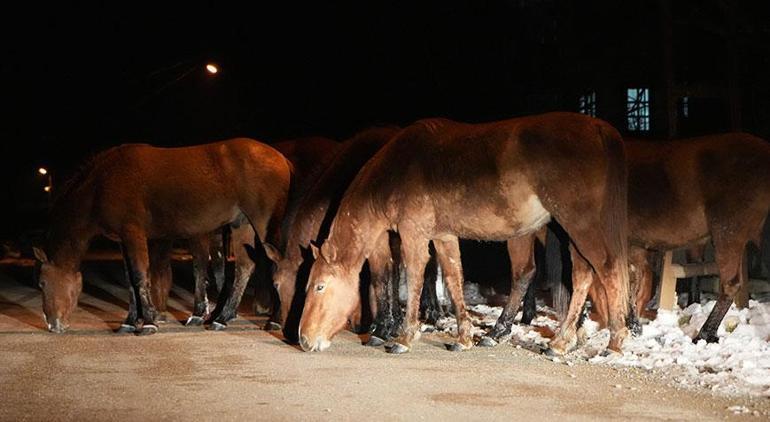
(764, 244)
(615, 210)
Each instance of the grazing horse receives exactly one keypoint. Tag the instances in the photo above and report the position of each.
(438, 180)
(138, 193)
(683, 193)
(316, 208)
(308, 156)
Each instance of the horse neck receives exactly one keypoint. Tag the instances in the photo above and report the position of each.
(71, 231)
(354, 234)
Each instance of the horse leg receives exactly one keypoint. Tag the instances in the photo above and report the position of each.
(448, 254)
(219, 250)
(199, 249)
(243, 237)
(529, 305)
(582, 278)
(137, 256)
(415, 254)
(381, 270)
(731, 263)
(640, 285)
(131, 321)
(521, 254)
(430, 308)
(161, 275)
(694, 254)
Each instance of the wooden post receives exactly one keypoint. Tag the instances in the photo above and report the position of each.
(742, 297)
(668, 283)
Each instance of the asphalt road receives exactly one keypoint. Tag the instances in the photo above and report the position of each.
(245, 373)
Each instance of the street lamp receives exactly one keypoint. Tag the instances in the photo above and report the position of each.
(212, 68)
(48, 188)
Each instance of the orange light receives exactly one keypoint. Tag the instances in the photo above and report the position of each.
(42, 170)
(212, 68)
(47, 188)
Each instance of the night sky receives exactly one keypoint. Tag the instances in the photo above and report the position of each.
(78, 79)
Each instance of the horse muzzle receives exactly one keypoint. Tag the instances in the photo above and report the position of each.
(319, 345)
(56, 326)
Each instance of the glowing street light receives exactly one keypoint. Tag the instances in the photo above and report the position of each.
(47, 189)
(212, 68)
(42, 170)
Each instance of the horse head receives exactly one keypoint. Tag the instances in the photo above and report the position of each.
(332, 296)
(61, 288)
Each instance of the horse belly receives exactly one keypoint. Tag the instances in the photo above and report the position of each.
(518, 217)
(191, 222)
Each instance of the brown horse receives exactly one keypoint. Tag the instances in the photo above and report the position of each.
(316, 208)
(687, 192)
(308, 156)
(439, 180)
(137, 193)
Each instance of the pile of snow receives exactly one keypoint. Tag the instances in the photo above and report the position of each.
(738, 364)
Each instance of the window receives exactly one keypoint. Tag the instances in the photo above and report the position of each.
(686, 106)
(638, 109)
(587, 103)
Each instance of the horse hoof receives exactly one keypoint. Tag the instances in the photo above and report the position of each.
(708, 338)
(273, 326)
(375, 341)
(552, 353)
(218, 326)
(636, 329)
(162, 318)
(397, 349)
(488, 342)
(148, 329)
(607, 353)
(194, 320)
(126, 329)
(456, 347)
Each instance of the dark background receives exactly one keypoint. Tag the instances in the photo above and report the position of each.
(78, 79)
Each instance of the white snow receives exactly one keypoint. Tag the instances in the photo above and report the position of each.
(739, 364)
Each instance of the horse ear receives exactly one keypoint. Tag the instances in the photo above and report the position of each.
(314, 249)
(40, 255)
(272, 252)
(329, 252)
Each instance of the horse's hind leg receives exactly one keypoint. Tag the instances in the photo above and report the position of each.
(137, 256)
(199, 249)
(448, 254)
(582, 277)
(243, 238)
(521, 254)
(732, 272)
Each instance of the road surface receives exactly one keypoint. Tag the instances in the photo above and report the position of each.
(245, 373)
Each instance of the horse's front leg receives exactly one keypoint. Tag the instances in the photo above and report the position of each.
(131, 321)
(227, 304)
(381, 298)
(415, 254)
(199, 249)
(430, 307)
(137, 259)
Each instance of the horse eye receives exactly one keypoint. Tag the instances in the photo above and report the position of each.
(319, 288)
(41, 283)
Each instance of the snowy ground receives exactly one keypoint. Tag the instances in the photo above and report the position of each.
(739, 364)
